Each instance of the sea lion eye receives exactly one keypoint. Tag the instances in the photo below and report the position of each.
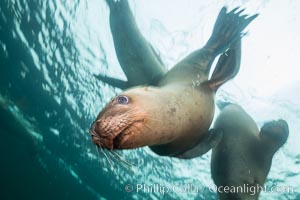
(122, 100)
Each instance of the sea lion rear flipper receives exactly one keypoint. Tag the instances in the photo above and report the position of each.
(227, 67)
(113, 81)
(213, 137)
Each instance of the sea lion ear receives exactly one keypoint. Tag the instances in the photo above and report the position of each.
(212, 139)
(276, 131)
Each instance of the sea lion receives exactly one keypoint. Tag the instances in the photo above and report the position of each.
(176, 115)
(242, 160)
(138, 59)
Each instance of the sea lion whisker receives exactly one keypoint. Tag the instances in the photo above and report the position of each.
(109, 154)
(128, 166)
(122, 160)
(93, 133)
(119, 160)
(97, 140)
(108, 159)
(106, 155)
(97, 149)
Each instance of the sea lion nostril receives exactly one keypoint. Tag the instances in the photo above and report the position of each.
(93, 130)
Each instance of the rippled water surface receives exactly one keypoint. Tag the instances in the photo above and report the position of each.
(49, 52)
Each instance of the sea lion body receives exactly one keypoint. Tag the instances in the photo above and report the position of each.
(179, 111)
(190, 109)
(175, 116)
(243, 157)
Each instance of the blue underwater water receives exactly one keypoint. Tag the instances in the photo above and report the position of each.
(51, 50)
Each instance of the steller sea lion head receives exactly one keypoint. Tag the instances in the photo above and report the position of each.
(275, 132)
(127, 120)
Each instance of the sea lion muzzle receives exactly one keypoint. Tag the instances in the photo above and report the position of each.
(112, 132)
(100, 137)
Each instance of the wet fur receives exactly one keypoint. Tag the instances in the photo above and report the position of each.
(244, 155)
(172, 133)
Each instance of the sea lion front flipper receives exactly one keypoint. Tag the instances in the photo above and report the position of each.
(227, 67)
(138, 60)
(113, 81)
(228, 29)
(213, 138)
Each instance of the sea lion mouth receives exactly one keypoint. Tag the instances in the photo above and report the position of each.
(120, 138)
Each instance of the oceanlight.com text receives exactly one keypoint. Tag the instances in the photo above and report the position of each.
(192, 188)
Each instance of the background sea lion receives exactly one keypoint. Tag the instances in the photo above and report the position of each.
(138, 59)
(244, 156)
(176, 115)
